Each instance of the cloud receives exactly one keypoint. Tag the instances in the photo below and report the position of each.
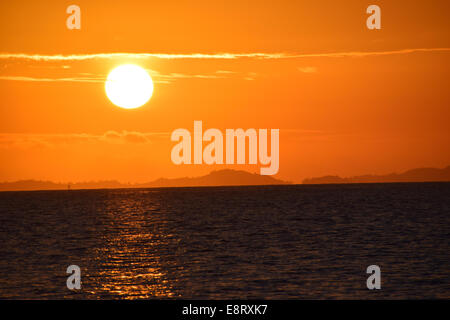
(116, 55)
(225, 72)
(11, 140)
(157, 78)
(168, 78)
(307, 69)
(34, 79)
(126, 136)
(187, 76)
(368, 53)
(227, 56)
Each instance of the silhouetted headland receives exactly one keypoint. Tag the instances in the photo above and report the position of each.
(414, 175)
(226, 177)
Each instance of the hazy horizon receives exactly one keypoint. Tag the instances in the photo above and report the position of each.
(238, 178)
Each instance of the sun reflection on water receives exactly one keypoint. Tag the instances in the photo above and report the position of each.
(129, 261)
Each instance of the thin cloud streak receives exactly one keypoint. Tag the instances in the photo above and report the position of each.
(33, 79)
(81, 57)
(89, 80)
(307, 69)
(368, 53)
(158, 78)
(223, 56)
(11, 140)
(167, 78)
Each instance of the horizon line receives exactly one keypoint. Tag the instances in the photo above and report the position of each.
(224, 169)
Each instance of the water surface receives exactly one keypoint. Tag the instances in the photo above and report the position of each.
(270, 242)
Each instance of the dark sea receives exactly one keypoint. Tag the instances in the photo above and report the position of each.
(265, 242)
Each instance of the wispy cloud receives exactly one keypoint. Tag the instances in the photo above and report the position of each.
(188, 76)
(228, 56)
(11, 140)
(157, 77)
(307, 69)
(128, 136)
(99, 79)
(34, 79)
(367, 53)
(81, 57)
(169, 77)
(225, 72)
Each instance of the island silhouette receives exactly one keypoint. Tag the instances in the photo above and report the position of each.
(225, 177)
(229, 177)
(413, 175)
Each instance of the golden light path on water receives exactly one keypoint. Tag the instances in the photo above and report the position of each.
(129, 268)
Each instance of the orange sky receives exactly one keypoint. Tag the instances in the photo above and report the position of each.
(339, 112)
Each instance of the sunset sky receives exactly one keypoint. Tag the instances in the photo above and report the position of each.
(347, 100)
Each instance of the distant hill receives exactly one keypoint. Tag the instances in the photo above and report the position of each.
(414, 175)
(49, 185)
(226, 177)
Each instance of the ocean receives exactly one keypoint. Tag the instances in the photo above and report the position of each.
(249, 242)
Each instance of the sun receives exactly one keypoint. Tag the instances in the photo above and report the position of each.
(129, 86)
